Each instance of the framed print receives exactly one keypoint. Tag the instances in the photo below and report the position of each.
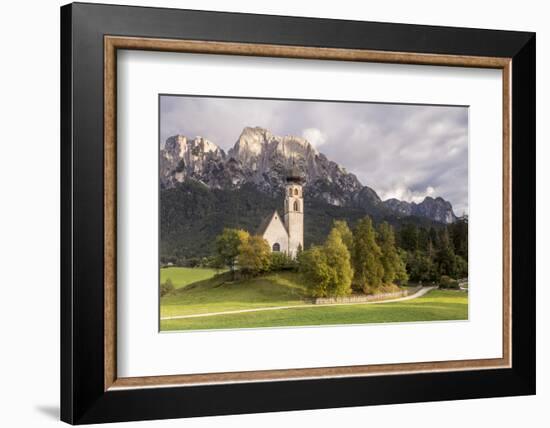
(265, 213)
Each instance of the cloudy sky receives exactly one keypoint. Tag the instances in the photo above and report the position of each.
(401, 151)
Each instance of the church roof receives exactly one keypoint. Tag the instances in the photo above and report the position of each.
(266, 222)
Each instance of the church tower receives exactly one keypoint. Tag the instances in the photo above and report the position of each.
(294, 211)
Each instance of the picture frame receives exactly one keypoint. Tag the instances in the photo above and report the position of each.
(91, 35)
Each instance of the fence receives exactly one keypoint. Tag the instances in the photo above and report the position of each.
(365, 298)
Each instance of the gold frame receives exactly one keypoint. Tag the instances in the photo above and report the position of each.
(112, 43)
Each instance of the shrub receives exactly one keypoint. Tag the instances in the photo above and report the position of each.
(166, 287)
(193, 262)
(447, 282)
(281, 261)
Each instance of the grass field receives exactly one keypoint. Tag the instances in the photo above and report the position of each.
(182, 276)
(215, 294)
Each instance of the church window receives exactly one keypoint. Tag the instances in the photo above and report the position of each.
(276, 247)
(296, 206)
(296, 192)
(290, 192)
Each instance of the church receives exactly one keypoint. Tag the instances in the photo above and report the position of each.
(286, 234)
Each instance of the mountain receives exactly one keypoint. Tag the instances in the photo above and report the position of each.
(261, 159)
(437, 209)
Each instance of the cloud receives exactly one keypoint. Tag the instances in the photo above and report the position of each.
(404, 193)
(314, 136)
(407, 151)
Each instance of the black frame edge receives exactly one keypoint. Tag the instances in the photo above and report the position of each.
(66, 316)
(83, 399)
(524, 213)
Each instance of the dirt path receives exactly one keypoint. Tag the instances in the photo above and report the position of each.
(419, 293)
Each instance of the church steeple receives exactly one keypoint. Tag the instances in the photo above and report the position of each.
(293, 174)
(294, 210)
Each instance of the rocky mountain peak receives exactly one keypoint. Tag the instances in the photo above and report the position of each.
(437, 209)
(255, 142)
(263, 159)
(184, 158)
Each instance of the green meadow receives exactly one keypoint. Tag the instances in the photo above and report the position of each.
(182, 276)
(200, 291)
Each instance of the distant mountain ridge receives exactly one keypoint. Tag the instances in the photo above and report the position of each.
(262, 159)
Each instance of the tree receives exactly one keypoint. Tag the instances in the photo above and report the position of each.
(445, 256)
(458, 232)
(423, 239)
(313, 266)
(391, 262)
(433, 237)
(408, 237)
(401, 274)
(339, 260)
(345, 232)
(461, 267)
(227, 246)
(327, 269)
(420, 267)
(254, 255)
(366, 256)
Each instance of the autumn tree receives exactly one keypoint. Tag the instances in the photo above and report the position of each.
(339, 260)
(227, 247)
(327, 268)
(254, 255)
(345, 232)
(314, 268)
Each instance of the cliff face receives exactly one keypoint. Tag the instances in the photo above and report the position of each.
(437, 209)
(262, 159)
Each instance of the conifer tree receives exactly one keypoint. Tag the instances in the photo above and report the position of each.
(423, 239)
(391, 261)
(345, 233)
(366, 256)
(408, 237)
(445, 256)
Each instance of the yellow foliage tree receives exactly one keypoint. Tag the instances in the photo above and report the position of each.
(254, 255)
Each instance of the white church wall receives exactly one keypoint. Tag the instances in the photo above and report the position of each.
(276, 233)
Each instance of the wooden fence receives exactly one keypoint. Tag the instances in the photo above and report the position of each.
(365, 297)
